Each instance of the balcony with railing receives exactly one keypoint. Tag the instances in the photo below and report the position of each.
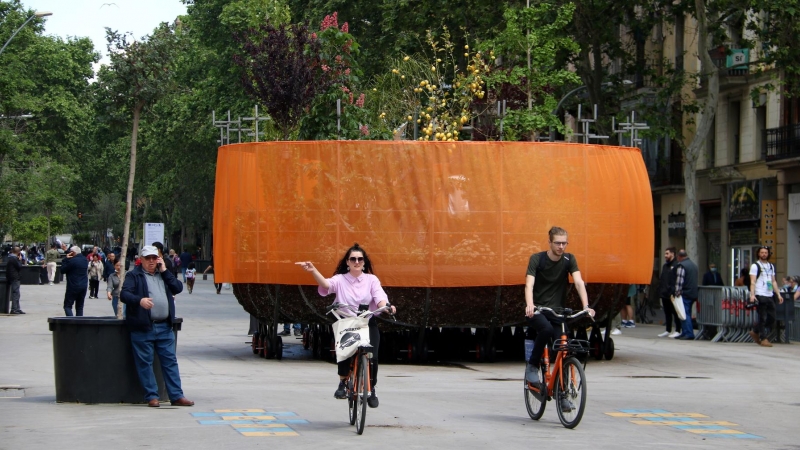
(782, 144)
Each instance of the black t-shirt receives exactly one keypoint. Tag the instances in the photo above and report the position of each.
(550, 286)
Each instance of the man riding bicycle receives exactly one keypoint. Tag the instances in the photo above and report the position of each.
(551, 269)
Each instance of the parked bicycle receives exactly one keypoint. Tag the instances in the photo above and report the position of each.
(564, 380)
(358, 380)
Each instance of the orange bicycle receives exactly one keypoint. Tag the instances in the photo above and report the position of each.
(358, 381)
(564, 379)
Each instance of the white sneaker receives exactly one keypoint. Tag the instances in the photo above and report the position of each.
(664, 334)
(674, 334)
(616, 332)
(51, 283)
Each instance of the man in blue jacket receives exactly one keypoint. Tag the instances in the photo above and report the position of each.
(148, 292)
(75, 267)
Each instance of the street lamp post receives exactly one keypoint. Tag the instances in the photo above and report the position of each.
(570, 94)
(35, 15)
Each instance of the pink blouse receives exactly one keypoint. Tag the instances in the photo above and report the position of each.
(349, 290)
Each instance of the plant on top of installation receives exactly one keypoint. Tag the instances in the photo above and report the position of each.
(437, 91)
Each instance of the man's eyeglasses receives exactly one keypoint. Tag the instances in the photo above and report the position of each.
(560, 244)
(354, 259)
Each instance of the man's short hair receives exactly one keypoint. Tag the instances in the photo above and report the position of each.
(556, 231)
(672, 250)
(682, 253)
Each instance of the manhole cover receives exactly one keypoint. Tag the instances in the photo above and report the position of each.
(12, 392)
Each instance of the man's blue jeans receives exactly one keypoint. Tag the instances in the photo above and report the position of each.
(162, 340)
(687, 329)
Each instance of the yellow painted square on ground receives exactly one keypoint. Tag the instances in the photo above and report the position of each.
(712, 431)
(650, 422)
(259, 425)
(248, 417)
(269, 433)
(720, 423)
(239, 410)
(640, 415)
(693, 415)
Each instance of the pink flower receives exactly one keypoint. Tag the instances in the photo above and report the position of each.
(328, 22)
(313, 36)
(347, 71)
(325, 68)
(364, 129)
(351, 98)
(360, 101)
(345, 90)
(344, 28)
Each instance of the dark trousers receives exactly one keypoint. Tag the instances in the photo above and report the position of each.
(76, 298)
(375, 342)
(94, 286)
(544, 332)
(14, 296)
(669, 314)
(766, 316)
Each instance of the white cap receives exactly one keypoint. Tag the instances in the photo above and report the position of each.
(149, 250)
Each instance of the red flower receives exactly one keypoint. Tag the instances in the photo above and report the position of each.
(360, 101)
(347, 71)
(313, 35)
(364, 129)
(344, 28)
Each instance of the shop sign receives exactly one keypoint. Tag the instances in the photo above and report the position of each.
(676, 224)
(743, 236)
(744, 201)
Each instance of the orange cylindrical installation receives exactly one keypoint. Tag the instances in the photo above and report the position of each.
(430, 214)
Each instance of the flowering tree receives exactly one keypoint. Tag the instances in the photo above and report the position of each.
(338, 52)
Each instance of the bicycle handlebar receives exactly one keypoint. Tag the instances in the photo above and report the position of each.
(567, 313)
(332, 308)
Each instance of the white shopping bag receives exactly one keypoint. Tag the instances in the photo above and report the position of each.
(677, 302)
(350, 333)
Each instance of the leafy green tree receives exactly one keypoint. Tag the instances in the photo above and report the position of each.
(529, 47)
(140, 73)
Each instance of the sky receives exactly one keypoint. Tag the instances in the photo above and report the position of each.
(89, 18)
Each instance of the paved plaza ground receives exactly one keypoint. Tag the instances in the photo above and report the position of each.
(730, 395)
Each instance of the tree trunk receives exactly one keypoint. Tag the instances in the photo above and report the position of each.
(183, 235)
(692, 152)
(129, 198)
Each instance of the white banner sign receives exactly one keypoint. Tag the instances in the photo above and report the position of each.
(153, 232)
(794, 206)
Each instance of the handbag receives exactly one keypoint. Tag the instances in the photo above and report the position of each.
(205, 277)
(677, 303)
(350, 333)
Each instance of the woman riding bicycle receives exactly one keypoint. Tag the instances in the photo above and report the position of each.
(354, 284)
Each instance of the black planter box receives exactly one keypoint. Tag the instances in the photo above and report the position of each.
(29, 274)
(93, 361)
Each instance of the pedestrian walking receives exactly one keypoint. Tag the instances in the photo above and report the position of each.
(13, 268)
(764, 289)
(686, 277)
(666, 285)
(114, 286)
(95, 271)
(186, 258)
(191, 274)
(75, 268)
(50, 262)
(712, 277)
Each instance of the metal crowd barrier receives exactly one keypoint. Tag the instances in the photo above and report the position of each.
(721, 310)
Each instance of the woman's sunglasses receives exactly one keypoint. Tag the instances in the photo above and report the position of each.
(354, 259)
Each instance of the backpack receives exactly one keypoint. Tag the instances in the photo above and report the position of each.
(190, 274)
(758, 270)
(177, 261)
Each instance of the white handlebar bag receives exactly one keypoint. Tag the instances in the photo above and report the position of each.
(350, 333)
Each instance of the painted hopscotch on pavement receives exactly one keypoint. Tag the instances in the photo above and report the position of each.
(691, 422)
(253, 422)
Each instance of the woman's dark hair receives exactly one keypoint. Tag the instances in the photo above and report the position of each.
(744, 273)
(191, 265)
(341, 268)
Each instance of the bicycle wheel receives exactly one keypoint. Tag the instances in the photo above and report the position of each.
(361, 393)
(351, 400)
(570, 393)
(535, 401)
